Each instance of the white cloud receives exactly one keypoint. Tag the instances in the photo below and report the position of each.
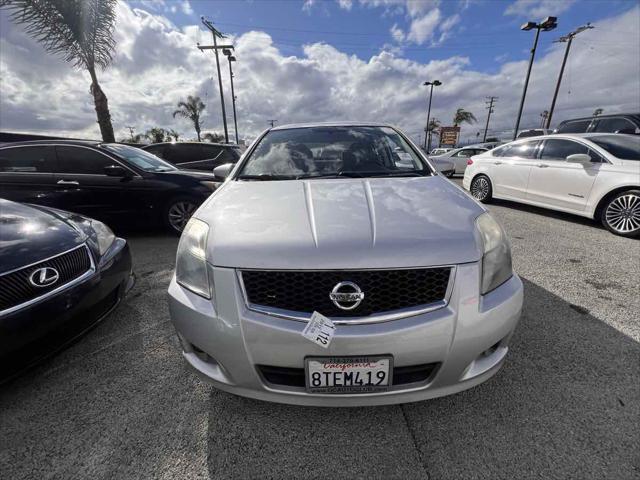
(397, 33)
(447, 26)
(157, 64)
(186, 7)
(423, 28)
(345, 4)
(538, 9)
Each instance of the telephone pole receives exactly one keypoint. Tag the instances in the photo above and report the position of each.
(490, 108)
(565, 39)
(131, 129)
(272, 122)
(217, 34)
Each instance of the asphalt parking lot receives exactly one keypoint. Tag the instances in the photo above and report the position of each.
(121, 403)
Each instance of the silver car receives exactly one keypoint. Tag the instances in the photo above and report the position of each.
(336, 267)
(459, 157)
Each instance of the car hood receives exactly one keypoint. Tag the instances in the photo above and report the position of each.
(341, 224)
(29, 234)
(195, 174)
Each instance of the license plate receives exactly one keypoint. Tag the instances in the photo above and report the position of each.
(348, 374)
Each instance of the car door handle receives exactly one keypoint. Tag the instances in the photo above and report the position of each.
(542, 165)
(497, 163)
(67, 182)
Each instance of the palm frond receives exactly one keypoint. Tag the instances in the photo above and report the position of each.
(81, 31)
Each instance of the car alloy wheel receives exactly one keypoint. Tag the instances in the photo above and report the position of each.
(179, 214)
(481, 188)
(622, 214)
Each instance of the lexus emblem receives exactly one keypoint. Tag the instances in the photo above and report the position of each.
(43, 277)
(346, 295)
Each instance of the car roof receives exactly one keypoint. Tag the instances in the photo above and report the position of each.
(86, 143)
(331, 124)
(607, 115)
(584, 136)
(230, 145)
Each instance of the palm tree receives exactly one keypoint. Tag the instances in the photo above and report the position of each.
(79, 30)
(462, 116)
(191, 109)
(598, 111)
(431, 129)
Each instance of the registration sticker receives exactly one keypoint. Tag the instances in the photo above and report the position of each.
(319, 330)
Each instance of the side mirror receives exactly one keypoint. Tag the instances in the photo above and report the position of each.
(581, 158)
(223, 171)
(116, 171)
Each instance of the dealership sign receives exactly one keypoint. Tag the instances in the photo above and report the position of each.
(449, 136)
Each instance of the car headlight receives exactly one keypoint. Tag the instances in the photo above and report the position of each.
(191, 261)
(103, 236)
(496, 253)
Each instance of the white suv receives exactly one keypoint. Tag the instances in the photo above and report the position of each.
(595, 175)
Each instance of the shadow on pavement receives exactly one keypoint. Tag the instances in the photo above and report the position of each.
(565, 405)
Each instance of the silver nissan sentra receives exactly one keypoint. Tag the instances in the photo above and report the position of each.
(336, 267)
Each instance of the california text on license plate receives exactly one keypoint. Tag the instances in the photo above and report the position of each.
(348, 374)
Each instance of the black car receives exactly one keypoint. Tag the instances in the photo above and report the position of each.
(196, 155)
(112, 182)
(60, 274)
(614, 123)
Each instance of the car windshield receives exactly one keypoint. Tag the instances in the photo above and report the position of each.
(140, 158)
(315, 152)
(625, 147)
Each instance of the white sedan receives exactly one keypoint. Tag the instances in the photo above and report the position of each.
(595, 175)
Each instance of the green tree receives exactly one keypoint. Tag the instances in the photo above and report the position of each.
(463, 116)
(191, 110)
(81, 31)
(156, 135)
(172, 135)
(213, 137)
(598, 111)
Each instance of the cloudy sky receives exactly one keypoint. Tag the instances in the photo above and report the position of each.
(319, 60)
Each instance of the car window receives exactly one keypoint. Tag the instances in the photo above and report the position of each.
(187, 152)
(467, 152)
(625, 147)
(517, 150)
(140, 158)
(331, 151)
(578, 126)
(40, 159)
(228, 155)
(211, 152)
(558, 149)
(615, 124)
(81, 160)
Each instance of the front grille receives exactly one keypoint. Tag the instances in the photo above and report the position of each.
(308, 291)
(294, 377)
(16, 289)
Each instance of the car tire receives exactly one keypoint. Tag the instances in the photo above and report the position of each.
(178, 212)
(481, 189)
(620, 214)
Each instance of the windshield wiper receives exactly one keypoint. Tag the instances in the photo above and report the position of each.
(265, 177)
(341, 173)
(408, 173)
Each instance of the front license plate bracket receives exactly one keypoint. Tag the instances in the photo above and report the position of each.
(348, 374)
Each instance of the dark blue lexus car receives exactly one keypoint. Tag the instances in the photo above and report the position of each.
(60, 274)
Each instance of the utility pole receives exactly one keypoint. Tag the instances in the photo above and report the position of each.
(272, 122)
(131, 129)
(232, 58)
(565, 39)
(546, 25)
(217, 34)
(490, 108)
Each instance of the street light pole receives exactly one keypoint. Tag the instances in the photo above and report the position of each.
(232, 58)
(435, 83)
(566, 39)
(546, 25)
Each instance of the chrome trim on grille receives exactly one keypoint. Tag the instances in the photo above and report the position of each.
(375, 318)
(75, 281)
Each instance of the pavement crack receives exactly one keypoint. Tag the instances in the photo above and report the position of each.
(412, 433)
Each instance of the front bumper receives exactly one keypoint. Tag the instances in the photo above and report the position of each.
(39, 330)
(467, 340)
